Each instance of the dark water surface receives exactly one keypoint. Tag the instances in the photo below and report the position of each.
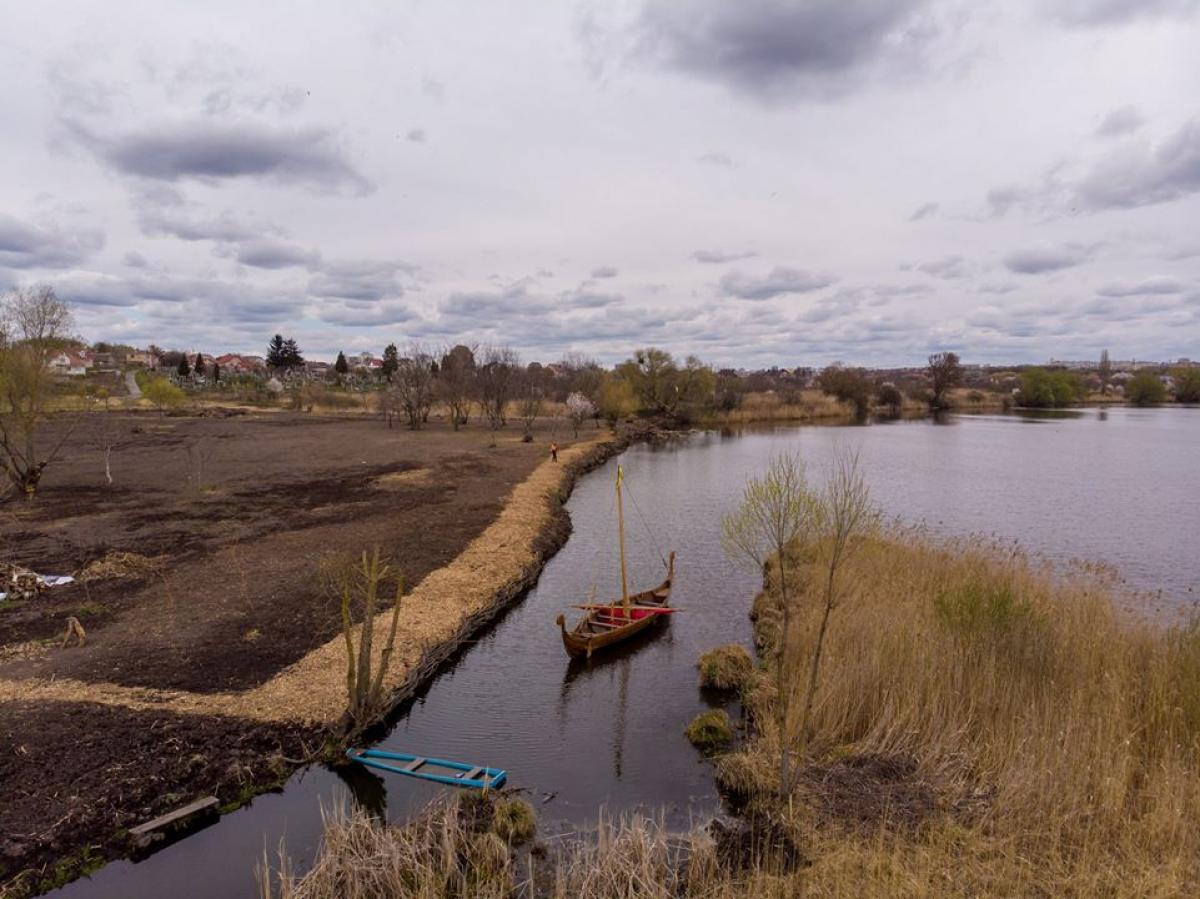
(1121, 486)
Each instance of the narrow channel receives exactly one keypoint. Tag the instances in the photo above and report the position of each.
(581, 738)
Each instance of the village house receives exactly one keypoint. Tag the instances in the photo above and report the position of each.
(71, 363)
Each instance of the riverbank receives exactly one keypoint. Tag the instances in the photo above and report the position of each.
(982, 727)
(111, 748)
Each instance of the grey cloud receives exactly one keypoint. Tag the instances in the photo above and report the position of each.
(605, 271)
(1150, 286)
(1038, 260)
(363, 280)
(213, 152)
(511, 301)
(1128, 180)
(163, 211)
(1123, 120)
(1115, 12)
(779, 281)
(416, 135)
(772, 47)
(948, 267)
(1001, 199)
(273, 254)
(357, 314)
(924, 211)
(24, 245)
(134, 259)
(720, 257)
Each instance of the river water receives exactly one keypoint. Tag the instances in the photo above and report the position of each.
(1120, 486)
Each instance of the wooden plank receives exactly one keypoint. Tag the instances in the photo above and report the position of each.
(145, 833)
(472, 774)
(414, 764)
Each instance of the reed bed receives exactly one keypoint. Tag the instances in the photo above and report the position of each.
(983, 727)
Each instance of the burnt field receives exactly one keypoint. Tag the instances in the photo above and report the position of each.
(231, 520)
(200, 570)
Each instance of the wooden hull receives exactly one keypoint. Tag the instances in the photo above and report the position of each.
(454, 774)
(606, 625)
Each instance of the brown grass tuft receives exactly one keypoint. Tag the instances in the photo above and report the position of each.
(726, 667)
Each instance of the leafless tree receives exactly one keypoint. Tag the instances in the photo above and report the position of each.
(945, 372)
(497, 377)
(358, 588)
(531, 400)
(846, 517)
(34, 323)
(456, 383)
(413, 384)
(777, 510)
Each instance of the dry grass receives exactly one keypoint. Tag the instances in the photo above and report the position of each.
(727, 667)
(121, 565)
(1063, 741)
(982, 729)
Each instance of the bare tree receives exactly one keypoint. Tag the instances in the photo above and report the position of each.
(944, 372)
(359, 586)
(845, 517)
(34, 323)
(530, 401)
(777, 510)
(110, 434)
(456, 383)
(413, 384)
(1104, 370)
(497, 379)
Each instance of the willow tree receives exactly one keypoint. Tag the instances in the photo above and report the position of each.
(34, 326)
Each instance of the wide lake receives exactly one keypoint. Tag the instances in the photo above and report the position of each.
(1118, 486)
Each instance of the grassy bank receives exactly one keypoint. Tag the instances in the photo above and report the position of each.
(981, 728)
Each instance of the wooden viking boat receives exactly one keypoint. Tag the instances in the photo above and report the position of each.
(605, 625)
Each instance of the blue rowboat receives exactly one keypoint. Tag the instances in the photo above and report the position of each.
(455, 774)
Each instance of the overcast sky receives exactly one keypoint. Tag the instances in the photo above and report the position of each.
(757, 182)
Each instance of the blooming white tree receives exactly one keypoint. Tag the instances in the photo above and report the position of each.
(579, 409)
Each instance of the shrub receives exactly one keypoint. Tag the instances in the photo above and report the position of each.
(1044, 389)
(514, 821)
(710, 729)
(163, 393)
(1187, 384)
(1146, 389)
(726, 667)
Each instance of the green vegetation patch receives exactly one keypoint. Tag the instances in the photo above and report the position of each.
(711, 729)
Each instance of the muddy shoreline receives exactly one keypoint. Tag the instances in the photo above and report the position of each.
(163, 759)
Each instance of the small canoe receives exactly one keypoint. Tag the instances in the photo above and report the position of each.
(455, 774)
(605, 625)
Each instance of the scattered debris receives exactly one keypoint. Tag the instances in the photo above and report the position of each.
(152, 831)
(121, 565)
(21, 583)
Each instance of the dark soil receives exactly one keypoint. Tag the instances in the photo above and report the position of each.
(58, 814)
(244, 511)
(869, 790)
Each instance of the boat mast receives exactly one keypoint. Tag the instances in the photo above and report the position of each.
(621, 540)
